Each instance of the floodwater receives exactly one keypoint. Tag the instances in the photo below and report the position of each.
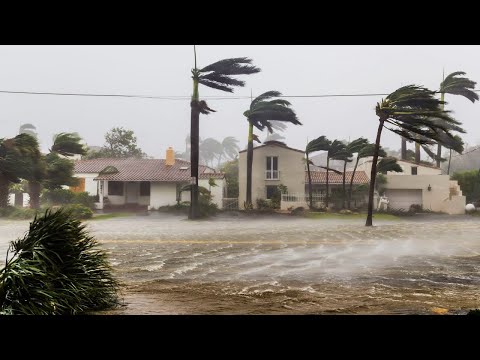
(289, 265)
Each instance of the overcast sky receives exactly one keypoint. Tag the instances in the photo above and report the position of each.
(165, 71)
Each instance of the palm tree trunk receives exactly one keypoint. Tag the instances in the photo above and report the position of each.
(194, 151)
(3, 191)
(417, 153)
(326, 195)
(373, 174)
(439, 148)
(249, 164)
(449, 161)
(309, 183)
(351, 183)
(344, 186)
(34, 193)
(404, 149)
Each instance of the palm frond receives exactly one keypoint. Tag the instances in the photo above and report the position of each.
(215, 85)
(233, 66)
(265, 96)
(459, 86)
(319, 144)
(388, 164)
(222, 79)
(68, 144)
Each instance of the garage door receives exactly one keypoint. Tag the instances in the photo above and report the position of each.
(402, 199)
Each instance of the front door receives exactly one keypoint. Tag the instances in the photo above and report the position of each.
(132, 192)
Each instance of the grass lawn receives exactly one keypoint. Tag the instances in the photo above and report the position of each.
(319, 215)
(111, 215)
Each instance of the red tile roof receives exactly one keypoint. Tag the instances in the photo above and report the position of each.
(320, 177)
(144, 170)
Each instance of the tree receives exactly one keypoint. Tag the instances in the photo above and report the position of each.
(352, 148)
(336, 151)
(218, 75)
(119, 143)
(17, 157)
(54, 170)
(209, 150)
(366, 151)
(411, 111)
(263, 110)
(469, 181)
(318, 144)
(230, 148)
(455, 85)
(230, 169)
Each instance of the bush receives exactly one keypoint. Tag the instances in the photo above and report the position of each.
(56, 269)
(79, 211)
(57, 197)
(83, 198)
(415, 208)
(12, 212)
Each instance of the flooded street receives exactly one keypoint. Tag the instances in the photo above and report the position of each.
(288, 265)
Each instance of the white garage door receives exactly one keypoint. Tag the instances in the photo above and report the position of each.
(402, 199)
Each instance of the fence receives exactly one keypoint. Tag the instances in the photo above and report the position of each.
(230, 203)
(301, 200)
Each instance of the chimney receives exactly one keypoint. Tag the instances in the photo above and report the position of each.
(170, 158)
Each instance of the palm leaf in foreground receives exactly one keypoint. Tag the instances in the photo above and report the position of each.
(56, 268)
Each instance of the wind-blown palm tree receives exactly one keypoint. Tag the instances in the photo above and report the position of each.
(455, 85)
(319, 144)
(218, 76)
(387, 164)
(17, 157)
(336, 151)
(51, 170)
(353, 147)
(230, 148)
(410, 111)
(262, 112)
(366, 151)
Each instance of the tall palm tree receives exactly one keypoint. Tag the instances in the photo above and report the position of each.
(319, 144)
(455, 85)
(217, 76)
(262, 112)
(336, 151)
(387, 164)
(230, 148)
(51, 170)
(366, 151)
(352, 148)
(17, 158)
(410, 111)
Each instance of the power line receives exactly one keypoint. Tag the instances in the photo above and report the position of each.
(468, 152)
(183, 97)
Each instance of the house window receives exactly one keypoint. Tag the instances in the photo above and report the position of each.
(271, 190)
(115, 188)
(414, 170)
(145, 188)
(271, 172)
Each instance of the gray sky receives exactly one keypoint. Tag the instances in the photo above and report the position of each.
(165, 71)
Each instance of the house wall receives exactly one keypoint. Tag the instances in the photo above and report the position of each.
(216, 191)
(365, 164)
(290, 164)
(439, 198)
(162, 194)
(90, 185)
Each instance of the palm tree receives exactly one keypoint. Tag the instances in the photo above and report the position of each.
(261, 114)
(410, 110)
(51, 170)
(319, 144)
(336, 151)
(217, 76)
(17, 158)
(353, 147)
(230, 149)
(455, 85)
(388, 164)
(366, 151)
(210, 149)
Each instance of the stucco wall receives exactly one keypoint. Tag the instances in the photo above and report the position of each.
(290, 165)
(438, 198)
(365, 164)
(162, 194)
(217, 191)
(90, 185)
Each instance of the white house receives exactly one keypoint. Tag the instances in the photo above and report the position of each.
(149, 183)
(275, 163)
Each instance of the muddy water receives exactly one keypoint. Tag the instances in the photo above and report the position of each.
(288, 265)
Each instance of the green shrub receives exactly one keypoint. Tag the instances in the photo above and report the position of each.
(79, 211)
(57, 197)
(56, 269)
(12, 212)
(83, 198)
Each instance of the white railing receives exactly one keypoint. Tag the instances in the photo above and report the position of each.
(272, 174)
(316, 197)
